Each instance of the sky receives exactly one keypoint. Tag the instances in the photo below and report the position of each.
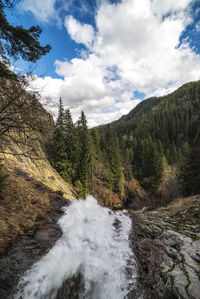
(109, 55)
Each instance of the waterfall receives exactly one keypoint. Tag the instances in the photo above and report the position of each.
(92, 259)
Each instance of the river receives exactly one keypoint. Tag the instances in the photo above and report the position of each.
(91, 260)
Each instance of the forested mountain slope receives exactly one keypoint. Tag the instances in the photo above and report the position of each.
(157, 144)
(162, 133)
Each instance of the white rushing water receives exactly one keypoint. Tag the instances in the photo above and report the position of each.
(94, 244)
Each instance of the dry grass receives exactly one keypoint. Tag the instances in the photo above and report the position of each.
(24, 205)
(180, 202)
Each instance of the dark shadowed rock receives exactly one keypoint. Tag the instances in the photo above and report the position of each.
(167, 247)
(29, 248)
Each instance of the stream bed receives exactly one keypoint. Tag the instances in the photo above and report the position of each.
(92, 259)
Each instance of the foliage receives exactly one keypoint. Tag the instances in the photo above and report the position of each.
(111, 150)
(190, 168)
(160, 133)
(71, 150)
(77, 154)
(161, 129)
(17, 41)
(18, 108)
(85, 153)
(20, 118)
(80, 189)
(60, 119)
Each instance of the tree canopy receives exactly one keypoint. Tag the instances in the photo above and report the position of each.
(16, 41)
(162, 133)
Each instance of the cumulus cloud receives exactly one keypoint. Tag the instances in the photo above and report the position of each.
(168, 6)
(43, 10)
(135, 47)
(197, 27)
(80, 33)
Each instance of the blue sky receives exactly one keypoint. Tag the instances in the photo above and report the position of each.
(107, 56)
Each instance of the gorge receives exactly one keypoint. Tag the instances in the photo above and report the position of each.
(92, 259)
(99, 196)
(146, 245)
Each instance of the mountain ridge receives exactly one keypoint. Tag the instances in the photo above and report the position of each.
(144, 105)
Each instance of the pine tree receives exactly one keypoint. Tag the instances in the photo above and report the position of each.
(60, 118)
(85, 154)
(96, 155)
(128, 160)
(190, 169)
(17, 41)
(58, 152)
(157, 169)
(80, 189)
(67, 120)
(72, 144)
(113, 157)
(96, 141)
(59, 157)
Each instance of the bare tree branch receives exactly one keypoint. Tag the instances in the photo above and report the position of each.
(23, 120)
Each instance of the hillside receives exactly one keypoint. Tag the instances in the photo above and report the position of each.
(159, 142)
(110, 212)
(189, 92)
(128, 164)
(146, 158)
(32, 183)
(92, 163)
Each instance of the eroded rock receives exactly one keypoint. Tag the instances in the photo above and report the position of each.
(167, 247)
(29, 248)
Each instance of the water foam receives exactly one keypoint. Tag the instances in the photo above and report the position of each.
(95, 244)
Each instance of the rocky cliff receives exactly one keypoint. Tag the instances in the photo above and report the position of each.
(166, 242)
(33, 184)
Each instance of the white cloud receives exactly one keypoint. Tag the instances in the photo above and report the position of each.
(133, 48)
(48, 10)
(80, 33)
(167, 6)
(197, 27)
(43, 10)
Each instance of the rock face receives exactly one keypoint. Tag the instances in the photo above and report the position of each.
(136, 196)
(167, 245)
(32, 181)
(26, 152)
(29, 248)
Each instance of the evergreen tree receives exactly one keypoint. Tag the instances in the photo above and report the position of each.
(113, 156)
(156, 130)
(95, 154)
(128, 160)
(85, 155)
(17, 41)
(96, 141)
(58, 153)
(59, 157)
(190, 168)
(60, 118)
(67, 120)
(80, 189)
(72, 144)
(157, 169)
